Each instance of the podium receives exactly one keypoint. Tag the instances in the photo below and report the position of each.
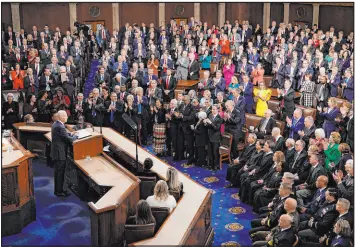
(18, 206)
(115, 189)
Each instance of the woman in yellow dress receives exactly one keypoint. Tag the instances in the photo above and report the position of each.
(262, 94)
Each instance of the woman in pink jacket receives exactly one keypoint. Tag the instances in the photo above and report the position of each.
(228, 71)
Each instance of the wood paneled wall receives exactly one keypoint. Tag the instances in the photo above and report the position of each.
(276, 12)
(6, 15)
(40, 14)
(342, 18)
(307, 18)
(83, 13)
(170, 11)
(209, 13)
(138, 13)
(245, 11)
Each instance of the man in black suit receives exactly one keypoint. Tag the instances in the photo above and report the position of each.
(213, 123)
(306, 189)
(266, 125)
(94, 108)
(113, 113)
(168, 85)
(9, 35)
(279, 74)
(287, 98)
(308, 130)
(283, 235)
(321, 220)
(232, 120)
(101, 77)
(188, 114)
(278, 139)
(243, 158)
(59, 151)
(194, 68)
(300, 157)
(37, 67)
(47, 82)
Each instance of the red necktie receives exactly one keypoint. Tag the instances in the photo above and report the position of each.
(18, 58)
(167, 82)
(122, 95)
(205, 83)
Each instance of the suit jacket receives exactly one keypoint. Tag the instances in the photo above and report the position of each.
(295, 127)
(329, 119)
(171, 85)
(308, 133)
(317, 202)
(40, 69)
(248, 93)
(334, 83)
(325, 92)
(201, 135)
(106, 79)
(288, 101)
(279, 77)
(348, 92)
(324, 218)
(214, 129)
(194, 68)
(158, 94)
(60, 141)
(269, 126)
(264, 166)
(146, 79)
(188, 118)
(280, 144)
(117, 113)
(233, 125)
(283, 238)
(298, 161)
(240, 105)
(27, 82)
(220, 87)
(314, 173)
(43, 83)
(45, 57)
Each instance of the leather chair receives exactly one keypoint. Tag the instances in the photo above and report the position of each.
(308, 111)
(340, 101)
(146, 186)
(267, 81)
(280, 125)
(251, 120)
(160, 214)
(274, 105)
(134, 233)
(175, 194)
(225, 149)
(201, 74)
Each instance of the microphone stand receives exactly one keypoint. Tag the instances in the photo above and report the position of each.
(134, 126)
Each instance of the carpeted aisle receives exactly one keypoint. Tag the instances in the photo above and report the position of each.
(230, 217)
(89, 83)
(60, 221)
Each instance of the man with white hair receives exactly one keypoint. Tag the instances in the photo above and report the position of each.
(61, 140)
(295, 124)
(278, 139)
(290, 150)
(266, 125)
(66, 81)
(345, 184)
(193, 68)
(308, 130)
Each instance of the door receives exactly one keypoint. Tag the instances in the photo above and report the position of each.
(180, 21)
(94, 25)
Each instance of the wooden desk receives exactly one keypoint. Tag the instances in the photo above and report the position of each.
(18, 201)
(117, 188)
(187, 84)
(190, 222)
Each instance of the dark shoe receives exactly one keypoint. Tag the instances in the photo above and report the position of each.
(62, 194)
(229, 186)
(168, 153)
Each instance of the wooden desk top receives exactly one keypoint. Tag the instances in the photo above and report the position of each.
(104, 173)
(49, 135)
(187, 83)
(180, 220)
(13, 158)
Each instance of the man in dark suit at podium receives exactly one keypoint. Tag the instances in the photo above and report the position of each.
(59, 149)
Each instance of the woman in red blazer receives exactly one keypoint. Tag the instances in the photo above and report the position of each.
(225, 46)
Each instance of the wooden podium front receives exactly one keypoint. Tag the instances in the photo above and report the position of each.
(18, 205)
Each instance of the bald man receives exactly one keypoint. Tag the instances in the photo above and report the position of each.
(60, 143)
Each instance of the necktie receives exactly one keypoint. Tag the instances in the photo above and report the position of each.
(298, 154)
(103, 34)
(167, 82)
(122, 96)
(112, 117)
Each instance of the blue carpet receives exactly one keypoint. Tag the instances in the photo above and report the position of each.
(230, 217)
(60, 221)
(89, 83)
(66, 221)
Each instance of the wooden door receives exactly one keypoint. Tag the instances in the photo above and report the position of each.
(179, 20)
(94, 25)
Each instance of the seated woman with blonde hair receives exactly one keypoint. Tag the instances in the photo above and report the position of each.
(161, 197)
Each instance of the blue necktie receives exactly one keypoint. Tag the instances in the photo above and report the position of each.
(112, 117)
(139, 108)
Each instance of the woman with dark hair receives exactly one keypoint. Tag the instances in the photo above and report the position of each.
(30, 107)
(61, 101)
(44, 107)
(157, 116)
(143, 215)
